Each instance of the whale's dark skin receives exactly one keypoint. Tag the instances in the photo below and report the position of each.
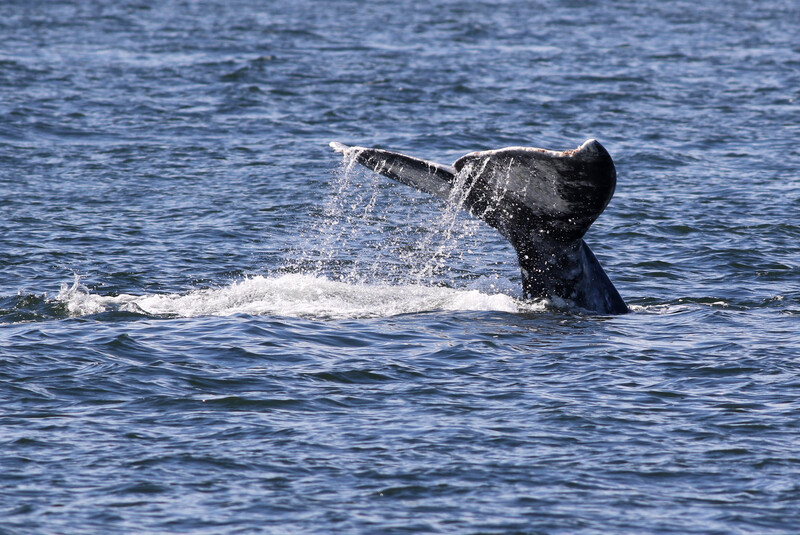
(541, 201)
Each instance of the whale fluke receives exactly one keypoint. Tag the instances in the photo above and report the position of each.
(541, 201)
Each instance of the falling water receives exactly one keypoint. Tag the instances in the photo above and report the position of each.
(374, 231)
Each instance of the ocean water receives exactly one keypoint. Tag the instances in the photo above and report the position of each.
(211, 324)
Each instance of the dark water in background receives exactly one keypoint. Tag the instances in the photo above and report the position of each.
(259, 342)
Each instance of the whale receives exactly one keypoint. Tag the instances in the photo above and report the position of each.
(541, 201)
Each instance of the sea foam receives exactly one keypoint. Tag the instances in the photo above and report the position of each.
(297, 295)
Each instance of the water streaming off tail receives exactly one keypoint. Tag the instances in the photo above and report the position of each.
(375, 231)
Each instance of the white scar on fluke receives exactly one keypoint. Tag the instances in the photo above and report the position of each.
(541, 201)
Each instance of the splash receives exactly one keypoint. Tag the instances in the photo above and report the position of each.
(297, 295)
(372, 230)
(362, 259)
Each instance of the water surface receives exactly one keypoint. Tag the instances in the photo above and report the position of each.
(210, 326)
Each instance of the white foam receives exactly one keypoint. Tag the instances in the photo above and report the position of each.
(298, 295)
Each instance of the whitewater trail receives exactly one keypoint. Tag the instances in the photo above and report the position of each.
(300, 295)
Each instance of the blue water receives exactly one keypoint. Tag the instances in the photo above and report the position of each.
(210, 325)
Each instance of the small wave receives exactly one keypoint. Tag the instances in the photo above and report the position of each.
(297, 295)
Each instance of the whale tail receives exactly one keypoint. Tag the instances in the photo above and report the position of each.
(541, 201)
